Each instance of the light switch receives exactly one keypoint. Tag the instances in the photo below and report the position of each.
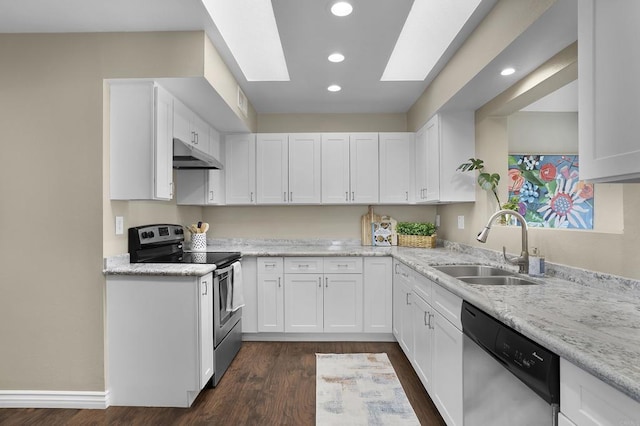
(460, 222)
(119, 225)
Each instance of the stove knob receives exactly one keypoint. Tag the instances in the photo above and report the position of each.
(144, 234)
(150, 234)
(179, 231)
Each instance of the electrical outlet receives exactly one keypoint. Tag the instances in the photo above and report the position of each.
(437, 220)
(119, 225)
(460, 222)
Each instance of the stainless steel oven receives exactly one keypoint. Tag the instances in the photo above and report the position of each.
(227, 323)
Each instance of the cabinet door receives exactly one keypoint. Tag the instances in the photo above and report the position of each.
(363, 158)
(335, 168)
(405, 326)
(270, 303)
(163, 147)
(182, 122)
(447, 370)
(200, 130)
(250, 292)
(396, 167)
(240, 168)
(609, 98)
(432, 139)
(215, 144)
(272, 168)
(421, 165)
(378, 295)
(343, 303)
(423, 340)
(206, 329)
(303, 303)
(304, 169)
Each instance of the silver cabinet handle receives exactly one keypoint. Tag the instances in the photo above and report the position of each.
(284, 196)
(425, 319)
(279, 282)
(251, 199)
(205, 288)
(406, 195)
(320, 282)
(291, 197)
(396, 268)
(346, 195)
(210, 195)
(353, 197)
(197, 139)
(326, 282)
(408, 294)
(430, 326)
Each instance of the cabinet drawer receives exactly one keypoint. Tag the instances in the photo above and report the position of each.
(270, 265)
(586, 400)
(343, 265)
(303, 265)
(422, 286)
(448, 304)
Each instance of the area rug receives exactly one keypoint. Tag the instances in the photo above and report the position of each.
(360, 389)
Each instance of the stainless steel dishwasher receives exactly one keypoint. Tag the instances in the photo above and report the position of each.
(508, 379)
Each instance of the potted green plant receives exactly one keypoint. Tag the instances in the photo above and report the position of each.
(416, 234)
(487, 181)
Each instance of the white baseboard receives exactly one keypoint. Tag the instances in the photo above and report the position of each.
(53, 399)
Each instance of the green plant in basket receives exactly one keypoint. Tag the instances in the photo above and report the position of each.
(416, 228)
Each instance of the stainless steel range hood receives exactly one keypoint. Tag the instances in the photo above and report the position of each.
(187, 157)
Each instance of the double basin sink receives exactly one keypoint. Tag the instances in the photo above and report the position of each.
(483, 275)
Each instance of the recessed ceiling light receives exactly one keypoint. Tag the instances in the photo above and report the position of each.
(334, 88)
(249, 29)
(336, 57)
(507, 71)
(341, 8)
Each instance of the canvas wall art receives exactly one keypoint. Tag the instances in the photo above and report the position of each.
(548, 192)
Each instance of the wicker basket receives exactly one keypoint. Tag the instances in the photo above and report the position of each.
(417, 241)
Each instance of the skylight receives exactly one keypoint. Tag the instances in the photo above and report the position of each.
(250, 31)
(427, 33)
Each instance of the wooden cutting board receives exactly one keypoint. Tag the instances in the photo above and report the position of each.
(365, 222)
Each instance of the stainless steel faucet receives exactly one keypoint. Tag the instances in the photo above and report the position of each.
(523, 260)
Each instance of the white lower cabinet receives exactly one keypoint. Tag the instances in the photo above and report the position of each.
(423, 341)
(378, 295)
(447, 370)
(270, 292)
(250, 292)
(587, 401)
(427, 327)
(169, 322)
(322, 302)
(324, 295)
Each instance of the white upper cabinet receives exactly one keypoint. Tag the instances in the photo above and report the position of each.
(288, 168)
(240, 168)
(304, 168)
(272, 168)
(609, 94)
(396, 168)
(350, 168)
(335, 168)
(141, 141)
(190, 128)
(446, 141)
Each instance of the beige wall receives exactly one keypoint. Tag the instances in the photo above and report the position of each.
(611, 247)
(276, 123)
(505, 22)
(57, 221)
(300, 222)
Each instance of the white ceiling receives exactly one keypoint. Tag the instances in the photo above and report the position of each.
(308, 33)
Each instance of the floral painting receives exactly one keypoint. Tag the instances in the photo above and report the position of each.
(548, 193)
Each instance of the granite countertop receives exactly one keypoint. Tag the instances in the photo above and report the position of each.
(589, 319)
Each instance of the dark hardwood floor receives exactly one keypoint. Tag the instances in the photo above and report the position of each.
(269, 383)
